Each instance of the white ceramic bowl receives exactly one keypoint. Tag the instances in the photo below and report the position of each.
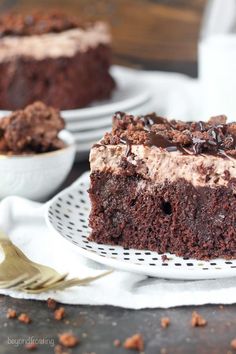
(36, 176)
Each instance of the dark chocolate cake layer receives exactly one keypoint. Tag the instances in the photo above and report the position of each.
(54, 60)
(166, 186)
(64, 83)
(171, 217)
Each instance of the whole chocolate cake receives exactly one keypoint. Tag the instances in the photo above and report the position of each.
(55, 59)
(166, 186)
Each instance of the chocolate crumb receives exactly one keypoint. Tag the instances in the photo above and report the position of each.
(31, 346)
(117, 343)
(69, 340)
(59, 349)
(32, 130)
(135, 342)
(164, 258)
(163, 351)
(165, 322)
(24, 318)
(52, 304)
(11, 313)
(59, 314)
(214, 137)
(197, 320)
(233, 343)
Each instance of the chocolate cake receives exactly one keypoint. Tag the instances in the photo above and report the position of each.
(55, 59)
(31, 130)
(166, 186)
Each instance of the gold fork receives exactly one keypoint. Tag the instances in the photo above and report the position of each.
(18, 272)
(37, 288)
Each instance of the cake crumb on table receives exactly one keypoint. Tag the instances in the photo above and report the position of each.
(197, 320)
(58, 349)
(11, 313)
(24, 318)
(31, 346)
(163, 351)
(68, 339)
(233, 343)
(135, 342)
(117, 343)
(165, 322)
(59, 314)
(52, 304)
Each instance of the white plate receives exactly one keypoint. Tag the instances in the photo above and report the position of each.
(99, 121)
(68, 214)
(89, 124)
(91, 135)
(131, 91)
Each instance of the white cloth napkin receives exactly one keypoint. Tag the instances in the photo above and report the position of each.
(174, 95)
(23, 221)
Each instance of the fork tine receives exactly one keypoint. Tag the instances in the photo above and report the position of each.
(14, 282)
(68, 283)
(57, 279)
(29, 281)
(37, 284)
(45, 282)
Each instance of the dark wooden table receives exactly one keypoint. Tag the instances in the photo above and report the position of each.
(99, 326)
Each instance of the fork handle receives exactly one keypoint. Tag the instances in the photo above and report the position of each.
(3, 236)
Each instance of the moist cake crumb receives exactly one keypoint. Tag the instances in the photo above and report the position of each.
(135, 342)
(164, 258)
(165, 322)
(68, 339)
(11, 313)
(31, 346)
(52, 304)
(233, 343)
(24, 318)
(59, 314)
(197, 320)
(163, 351)
(58, 349)
(117, 343)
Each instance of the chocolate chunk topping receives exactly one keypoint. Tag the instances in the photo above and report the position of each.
(160, 141)
(37, 23)
(214, 137)
(128, 144)
(32, 130)
(152, 119)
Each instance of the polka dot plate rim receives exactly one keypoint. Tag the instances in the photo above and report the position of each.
(67, 216)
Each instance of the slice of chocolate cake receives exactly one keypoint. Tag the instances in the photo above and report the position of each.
(55, 59)
(166, 186)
